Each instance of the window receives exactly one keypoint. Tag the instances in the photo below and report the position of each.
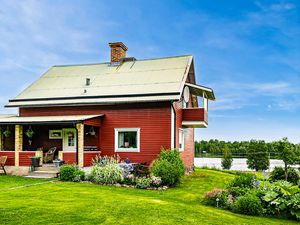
(127, 140)
(181, 140)
(71, 139)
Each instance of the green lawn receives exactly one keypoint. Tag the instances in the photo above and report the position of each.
(71, 203)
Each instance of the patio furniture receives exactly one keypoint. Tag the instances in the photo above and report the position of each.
(49, 156)
(2, 163)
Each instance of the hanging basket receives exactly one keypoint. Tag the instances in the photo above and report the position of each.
(7, 132)
(29, 133)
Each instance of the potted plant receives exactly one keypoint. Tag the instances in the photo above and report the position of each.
(35, 161)
(29, 133)
(58, 162)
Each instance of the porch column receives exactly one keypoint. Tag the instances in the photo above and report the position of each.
(18, 142)
(80, 129)
(1, 139)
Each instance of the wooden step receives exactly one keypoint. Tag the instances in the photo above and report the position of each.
(43, 174)
(46, 168)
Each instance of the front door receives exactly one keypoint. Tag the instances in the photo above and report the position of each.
(69, 140)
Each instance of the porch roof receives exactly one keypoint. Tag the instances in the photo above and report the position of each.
(14, 119)
(199, 90)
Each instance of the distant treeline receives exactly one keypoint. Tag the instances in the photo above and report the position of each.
(215, 148)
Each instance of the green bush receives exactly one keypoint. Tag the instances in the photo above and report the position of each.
(218, 198)
(79, 175)
(279, 174)
(108, 174)
(143, 183)
(155, 181)
(237, 191)
(67, 172)
(248, 204)
(129, 179)
(282, 198)
(169, 167)
(243, 180)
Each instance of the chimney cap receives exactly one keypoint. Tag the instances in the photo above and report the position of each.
(118, 44)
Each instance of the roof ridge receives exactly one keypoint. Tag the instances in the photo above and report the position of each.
(149, 59)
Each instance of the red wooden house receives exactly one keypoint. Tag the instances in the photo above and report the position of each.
(128, 107)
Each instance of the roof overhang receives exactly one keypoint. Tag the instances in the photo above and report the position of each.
(199, 90)
(94, 100)
(14, 119)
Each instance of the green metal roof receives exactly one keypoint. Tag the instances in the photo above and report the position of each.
(134, 81)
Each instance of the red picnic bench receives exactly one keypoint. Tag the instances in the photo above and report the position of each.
(2, 163)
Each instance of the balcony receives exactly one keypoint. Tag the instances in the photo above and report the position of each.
(194, 118)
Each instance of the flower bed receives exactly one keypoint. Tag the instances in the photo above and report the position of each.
(247, 195)
(167, 171)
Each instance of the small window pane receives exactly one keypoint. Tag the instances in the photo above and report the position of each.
(127, 139)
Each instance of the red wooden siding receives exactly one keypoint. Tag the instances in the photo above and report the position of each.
(88, 156)
(96, 122)
(10, 157)
(69, 157)
(153, 119)
(24, 158)
(194, 114)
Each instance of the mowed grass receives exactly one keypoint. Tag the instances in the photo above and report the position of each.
(77, 203)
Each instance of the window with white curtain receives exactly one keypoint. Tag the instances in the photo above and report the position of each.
(127, 139)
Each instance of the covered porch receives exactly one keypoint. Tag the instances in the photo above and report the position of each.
(73, 139)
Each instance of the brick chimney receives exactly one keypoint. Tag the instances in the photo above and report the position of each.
(117, 51)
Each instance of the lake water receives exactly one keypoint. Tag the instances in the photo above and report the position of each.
(237, 164)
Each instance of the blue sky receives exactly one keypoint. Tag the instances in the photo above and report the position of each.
(247, 51)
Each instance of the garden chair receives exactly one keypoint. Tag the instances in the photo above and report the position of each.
(2, 163)
(49, 156)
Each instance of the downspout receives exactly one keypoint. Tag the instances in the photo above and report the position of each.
(174, 123)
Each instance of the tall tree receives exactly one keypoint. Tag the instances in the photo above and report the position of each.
(257, 155)
(288, 153)
(227, 158)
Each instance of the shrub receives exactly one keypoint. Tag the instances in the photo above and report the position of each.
(105, 160)
(79, 175)
(279, 174)
(67, 172)
(248, 204)
(109, 174)
(243, 180)
(169, 167)
(281, 198)
(237, 191)
(129, 179)
(155, 181)
(257, 155)
(217, 197)
(127, 168)
(140, 170)
(143, 183)
(227, 159)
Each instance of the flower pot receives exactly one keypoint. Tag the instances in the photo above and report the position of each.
(58, 163)
(35, 162)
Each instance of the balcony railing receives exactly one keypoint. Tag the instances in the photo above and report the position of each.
(194, 117)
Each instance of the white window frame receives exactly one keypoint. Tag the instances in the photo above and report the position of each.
(181, 139)
(117, 149)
